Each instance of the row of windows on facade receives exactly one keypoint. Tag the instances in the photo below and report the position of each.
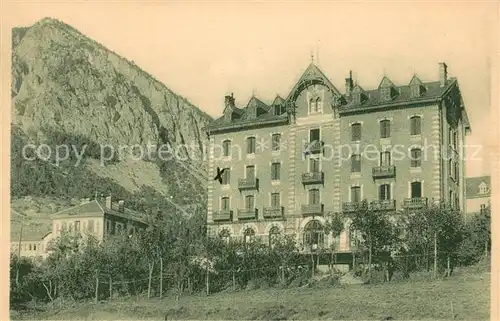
(314, 166)
(29, 247)
(111, 226)
(251, 145)
(313, 235)
(384, 194)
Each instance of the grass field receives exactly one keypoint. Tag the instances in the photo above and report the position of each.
(464, 296)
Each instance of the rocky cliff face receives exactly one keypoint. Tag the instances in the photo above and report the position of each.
(64, 82)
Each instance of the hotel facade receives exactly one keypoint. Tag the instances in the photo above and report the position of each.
(290, 164)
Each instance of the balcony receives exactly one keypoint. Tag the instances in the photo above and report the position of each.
(312, 209)
(313, 178)
(247, 214)
(384, 171)
(353, 206)
(314, 147)
(248, 184)
(383, 205)
(415, 202)
(274, 212)
(224, 215)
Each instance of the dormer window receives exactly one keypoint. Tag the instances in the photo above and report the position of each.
(416, 87)
(358, 95)
(277, 110)
(387, 90)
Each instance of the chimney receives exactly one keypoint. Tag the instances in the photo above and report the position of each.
(121, 206)
(348, 84)
(443, 73)
(229, 106)
(229, 101)
(108, 201)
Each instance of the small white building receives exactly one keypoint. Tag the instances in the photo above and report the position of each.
(478, 194)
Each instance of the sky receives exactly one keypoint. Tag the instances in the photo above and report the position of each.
(204, 51)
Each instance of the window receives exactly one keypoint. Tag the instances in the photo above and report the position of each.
(77, 226)
(416, 190)
(483, 208)
(314, 135)
(315, 105)
(64, 226)
(314, 235)
(275, 171)
(385, 158)
(226, 176)
(385, 94)
(225, 235)
(34, 247)
(415, 125)
(90, 226)
(457, 173)
(355, 194)
(451, 198)
(273, 236)
(224, 204)
(249, 202)
(250, 172)
(385, 128)
(356, 98)
(455, 140)
(314, 196)
(275, 200)
(415, 91)
(276, 138)
(249, 235)
(226, 148)
(356, 163)
(450, 167)
(277, 110)
(384, 193)
(416, 158)
(251, 145)
(108, 226)
(356, 132)
(313, 165)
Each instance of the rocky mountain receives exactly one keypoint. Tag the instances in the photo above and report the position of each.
(69, 89)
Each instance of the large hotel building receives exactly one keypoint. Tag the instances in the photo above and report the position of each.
(289, 164)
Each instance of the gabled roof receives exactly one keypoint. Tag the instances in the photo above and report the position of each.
(472, 186)
(357, 89)
(415, 81)
(312, 73)
(385, 82)
(278, 100)
(255, 102)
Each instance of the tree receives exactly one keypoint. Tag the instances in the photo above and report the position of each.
(374, 228)
(334, 225)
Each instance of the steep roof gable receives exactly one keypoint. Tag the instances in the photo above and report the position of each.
(386, 82)
(310, 76)
(473, 185)
(415, 81)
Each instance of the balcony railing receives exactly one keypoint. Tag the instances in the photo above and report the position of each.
(383, 205)
(384, 171)
(312, 209)
(313, 178)
(246, 214)
(247, 184)
(274, 212)
(353, 206)
(314, 147)
(223, 215)
(415, 202)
